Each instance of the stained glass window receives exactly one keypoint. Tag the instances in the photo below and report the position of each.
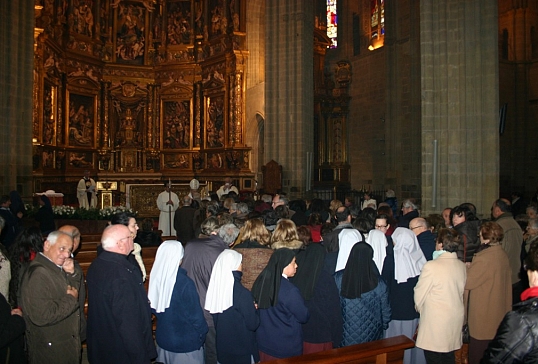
(377, 24)
(332, 22)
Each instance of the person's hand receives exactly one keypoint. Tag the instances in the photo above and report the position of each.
(69, 266)
(72, 291)
(170, 202)
(16, 311)
(256, 305)
(468, 264)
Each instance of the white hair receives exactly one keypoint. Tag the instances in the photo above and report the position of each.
(53, 236)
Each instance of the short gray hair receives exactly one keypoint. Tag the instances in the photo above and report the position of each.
(409, 204)
(229, 233)
(242, 208)
(210, 225)
(53, 236)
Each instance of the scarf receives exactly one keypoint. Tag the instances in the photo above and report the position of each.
(164, 273)
(378, 242)
(408, 257)
(361, 274)
(311, 262)
(266, 287)
(220, 292)
(346, 239)
(529, 293)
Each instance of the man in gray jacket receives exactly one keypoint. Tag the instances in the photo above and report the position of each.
(49, 300)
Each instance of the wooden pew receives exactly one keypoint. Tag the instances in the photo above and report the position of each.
(386, 351)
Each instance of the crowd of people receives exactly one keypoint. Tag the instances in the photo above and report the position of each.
(254, 281)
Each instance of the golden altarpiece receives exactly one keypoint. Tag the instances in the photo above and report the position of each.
(139, 91)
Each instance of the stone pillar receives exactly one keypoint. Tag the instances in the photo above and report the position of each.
(460, 102)
(289, 89)
(16, 80)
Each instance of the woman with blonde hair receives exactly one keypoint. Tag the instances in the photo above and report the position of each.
(255, 249)
(286, 236)
(333, 206)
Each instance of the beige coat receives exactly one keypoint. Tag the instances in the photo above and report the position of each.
(439, 300)
(490, 297)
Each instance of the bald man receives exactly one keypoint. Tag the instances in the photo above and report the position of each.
(119, 315)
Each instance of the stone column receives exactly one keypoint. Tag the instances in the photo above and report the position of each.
(16, 80)
(289, 89)
(460, 102)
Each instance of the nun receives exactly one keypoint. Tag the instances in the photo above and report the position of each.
(282, 308)
(232, 307)
(181, 327)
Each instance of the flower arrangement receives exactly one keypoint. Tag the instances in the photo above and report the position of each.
(69, 212)
(63, 212)
(108, 212)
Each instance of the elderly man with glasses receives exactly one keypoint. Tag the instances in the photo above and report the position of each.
(425, 238)
(119, 315)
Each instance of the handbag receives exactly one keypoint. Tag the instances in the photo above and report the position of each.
(465, 337)
(415, 335)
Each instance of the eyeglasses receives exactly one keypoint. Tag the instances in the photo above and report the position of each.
(413, 228)
(380, 226)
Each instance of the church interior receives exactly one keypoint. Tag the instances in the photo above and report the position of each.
(436, 100)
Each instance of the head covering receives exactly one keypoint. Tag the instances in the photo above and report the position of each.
(361, 274)
(346, 239)
(46, 201)
(378, 242)
(311, 262)
(194, 184)
(408, 257)
(164, 273)
(221, 285)
(265, 288)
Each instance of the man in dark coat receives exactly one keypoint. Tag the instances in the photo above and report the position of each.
(49, 302)
(409, 212)
(119, 315)
(12, 329)
(200, 256)
(425, 238)
(184, 221)
(9, 232)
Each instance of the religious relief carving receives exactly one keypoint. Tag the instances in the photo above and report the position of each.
(81, 117)
(176, 124)
(130, 39)
(219, 23)
(215, 160)
(177, 161)
(80, 160)
(80, 19)
(178, 19)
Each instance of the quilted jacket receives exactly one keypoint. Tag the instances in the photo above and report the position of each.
(366, 317)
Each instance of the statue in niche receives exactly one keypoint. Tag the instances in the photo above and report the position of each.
(128, 135)
(215, 123)
(199, 18)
